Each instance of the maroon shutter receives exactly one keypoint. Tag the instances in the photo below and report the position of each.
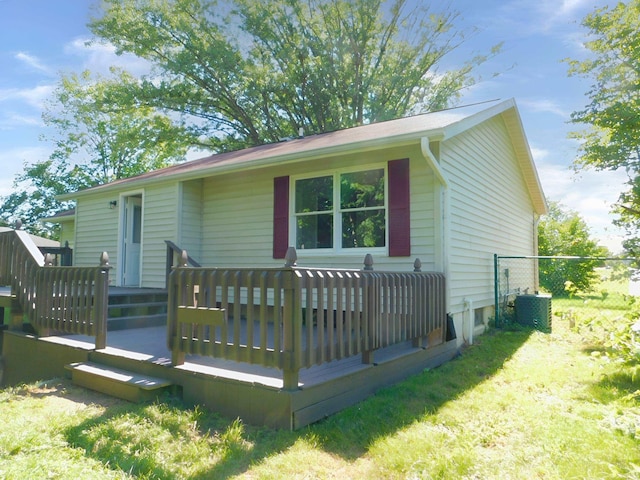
(399, 218)
(280, 216)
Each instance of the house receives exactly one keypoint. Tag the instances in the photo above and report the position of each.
(307, 258)
(66, 220)
(450, 188)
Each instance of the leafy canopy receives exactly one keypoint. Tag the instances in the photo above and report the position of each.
(236, 74)
(563, 232)
(612, 139)
(262, 70)
(96, 141)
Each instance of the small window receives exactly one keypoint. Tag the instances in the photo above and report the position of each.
(347, 210)
(478, 317)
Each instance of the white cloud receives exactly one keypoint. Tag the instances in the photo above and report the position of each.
(544, 16)
(13, 162)
(35, 96)
(539, 154)
(33, 62)
(590, 193)
(98, 57)
(12, 120)
(544, 106)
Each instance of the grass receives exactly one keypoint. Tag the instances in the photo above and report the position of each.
(517, 404)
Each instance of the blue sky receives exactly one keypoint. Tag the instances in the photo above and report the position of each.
(39, 39)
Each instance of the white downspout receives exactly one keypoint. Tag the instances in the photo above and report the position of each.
(468, 305)
(442, 202)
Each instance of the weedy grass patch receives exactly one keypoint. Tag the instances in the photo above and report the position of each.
(516, 404)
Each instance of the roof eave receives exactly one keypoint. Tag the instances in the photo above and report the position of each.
(293, 157)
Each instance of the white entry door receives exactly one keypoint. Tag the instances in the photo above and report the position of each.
(131, 241)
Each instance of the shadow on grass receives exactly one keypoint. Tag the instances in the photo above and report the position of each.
(158, 440)
(623, 382)
(129, 437)
(393, 408)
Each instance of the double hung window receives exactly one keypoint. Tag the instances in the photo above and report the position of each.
(344, 210)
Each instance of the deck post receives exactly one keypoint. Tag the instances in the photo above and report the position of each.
(41, 300)
(102, 301)
(292, 323)
(371, 319)
(418, 342)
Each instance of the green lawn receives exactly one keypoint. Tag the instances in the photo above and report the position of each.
(517, 404)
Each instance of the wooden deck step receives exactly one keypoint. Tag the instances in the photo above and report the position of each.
(137, 321)
(136, 308)
(117, 382)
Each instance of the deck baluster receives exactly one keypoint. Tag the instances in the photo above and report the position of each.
(347, 311)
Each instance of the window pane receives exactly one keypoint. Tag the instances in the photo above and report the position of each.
(363, 229)
(314, 231)
(362, 189)
(314, 194)
(137, 224)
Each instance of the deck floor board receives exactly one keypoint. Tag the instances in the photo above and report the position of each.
(149, 345)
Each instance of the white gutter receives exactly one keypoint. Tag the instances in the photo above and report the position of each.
(433, 163)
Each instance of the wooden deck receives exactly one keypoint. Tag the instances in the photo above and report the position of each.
(235, 389)
(281, 347)
(148, 345)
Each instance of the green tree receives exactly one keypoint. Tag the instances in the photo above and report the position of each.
(612, 139)
(97, 140)
(263, 70)
(563, 232)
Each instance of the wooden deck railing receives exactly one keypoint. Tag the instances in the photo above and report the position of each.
(55, 299)
(173, 257)
(293, 318)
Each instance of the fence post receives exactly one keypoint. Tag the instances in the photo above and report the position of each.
(102, 301)
(291, 257)
(418, 309)
(43, 284)
(372, 318)
(417, 266)
(496, 288)
(292, 322)
(177, 292)
(368, 262)
(66, 257)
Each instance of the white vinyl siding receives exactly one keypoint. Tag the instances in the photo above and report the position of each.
(238, 215)
(67, 232)
(96, 232)
(159, 223)
(190, 216)
(490, 210)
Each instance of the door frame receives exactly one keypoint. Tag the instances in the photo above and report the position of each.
(122, 240)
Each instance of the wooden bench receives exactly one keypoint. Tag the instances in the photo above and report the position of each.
(116, 382)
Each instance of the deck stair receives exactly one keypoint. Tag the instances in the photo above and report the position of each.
(136, 308)
(117, 382)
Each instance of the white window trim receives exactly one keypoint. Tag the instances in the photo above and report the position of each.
(337, 233)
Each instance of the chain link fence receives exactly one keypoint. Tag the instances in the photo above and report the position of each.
(532, 290)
